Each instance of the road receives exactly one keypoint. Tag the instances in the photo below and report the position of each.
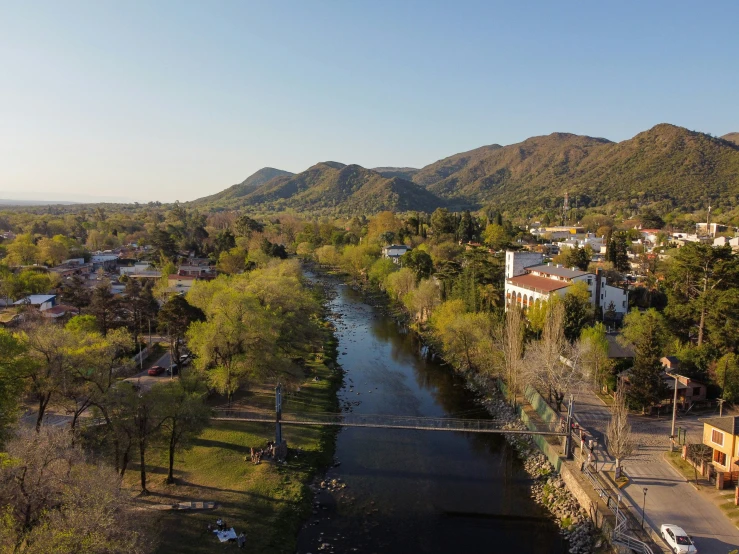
(669, 498)
(146, 381)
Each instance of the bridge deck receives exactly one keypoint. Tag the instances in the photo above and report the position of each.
(379, 421)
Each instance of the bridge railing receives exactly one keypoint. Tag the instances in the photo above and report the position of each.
(375, 420)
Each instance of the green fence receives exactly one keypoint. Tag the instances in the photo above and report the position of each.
(551, 451)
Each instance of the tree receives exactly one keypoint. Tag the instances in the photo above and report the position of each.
(512, 349)
(49, 348)
(697, 275)
(13, 368)
(594, 353)
(401, 283)
(184, 414)
(235, 342)
(419, 261)
(647, 332)
(620, 443)
(104, 306)
(139, 306)
(577, 257)
(75, 292)
(425, 299)
(495, 236)
(174, 318)
(245, 226)
(22, 251)
(232, 261)
(468, 227)
(54, 499)
(618, 251)
(380, 271)
(727, 377)
(443, 222)
(163, 244)
(52, 251)
(578, 310)
(551, 364)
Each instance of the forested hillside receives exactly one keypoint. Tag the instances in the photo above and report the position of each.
(666, 167)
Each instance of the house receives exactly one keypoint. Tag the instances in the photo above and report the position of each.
(60, 311)
(72, 267)
(723, 241)
(722, 435)
(42, 302)
(180, 283)
(529, 283)
(710, 229)
(689, 391)
(395, 251)
(106, 260)
(202, 271)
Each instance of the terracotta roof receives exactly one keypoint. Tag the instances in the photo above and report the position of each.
(540, 284)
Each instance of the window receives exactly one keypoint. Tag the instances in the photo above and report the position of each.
(717, 437)
(719, 457)
(590, 281)
(623, 304)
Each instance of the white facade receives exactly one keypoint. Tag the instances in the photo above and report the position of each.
(527, 284)
(516, 262)
(395, 251)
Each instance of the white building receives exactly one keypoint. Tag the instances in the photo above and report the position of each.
(41, 301)
(395, 252)
(527, 284)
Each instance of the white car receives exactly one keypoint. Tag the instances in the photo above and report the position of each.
(678, 539)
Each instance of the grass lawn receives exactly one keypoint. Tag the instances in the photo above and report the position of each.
(268, 502)
(685, 469)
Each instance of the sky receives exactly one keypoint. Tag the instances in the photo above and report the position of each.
(122, 101)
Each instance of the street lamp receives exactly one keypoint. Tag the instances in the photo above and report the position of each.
(618, 504)
(644, 503)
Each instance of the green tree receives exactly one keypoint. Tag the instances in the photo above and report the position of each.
(174, 319)
(75, 293)
(495, 236)
(184, 413)
(727, 377)
(648, 333)
(13, 369)
(419, 261)
(578, 310)
(104, 306)
(594, 353)
(443, 222)
(697, 275)
(618, 251)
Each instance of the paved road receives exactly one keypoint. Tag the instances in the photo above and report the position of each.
(145, 381)
(669, 498)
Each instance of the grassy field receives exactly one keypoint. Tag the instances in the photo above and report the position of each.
(268, 501)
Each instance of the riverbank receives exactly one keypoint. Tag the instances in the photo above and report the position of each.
(269, 502)
(546, 487)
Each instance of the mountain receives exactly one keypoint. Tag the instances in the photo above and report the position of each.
(406, 173)
(338, 187)
(732, 137)
(664, 164)
(248, 185)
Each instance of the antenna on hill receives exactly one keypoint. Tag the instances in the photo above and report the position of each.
(565, 208)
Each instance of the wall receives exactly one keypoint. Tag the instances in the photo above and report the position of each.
(515, 262)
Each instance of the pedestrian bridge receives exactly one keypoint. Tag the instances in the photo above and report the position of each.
(377, 421)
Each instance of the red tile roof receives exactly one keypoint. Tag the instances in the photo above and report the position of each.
(540, 284)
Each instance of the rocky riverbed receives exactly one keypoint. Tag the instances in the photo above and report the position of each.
(548, 489)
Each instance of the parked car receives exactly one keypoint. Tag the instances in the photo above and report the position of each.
(172, 370)
(155, 370)
(678, 539)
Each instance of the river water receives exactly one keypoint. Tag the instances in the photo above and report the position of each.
(416, 491)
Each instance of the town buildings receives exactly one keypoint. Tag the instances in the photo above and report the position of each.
(528, 281)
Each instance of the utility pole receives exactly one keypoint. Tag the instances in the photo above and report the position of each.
(278, 414)
(674, 412)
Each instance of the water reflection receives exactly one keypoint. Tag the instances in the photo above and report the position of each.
(417, 491)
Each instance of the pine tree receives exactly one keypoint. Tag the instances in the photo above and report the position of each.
(646, 386)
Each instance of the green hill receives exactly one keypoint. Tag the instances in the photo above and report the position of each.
(406, 173)
(248, 185)
(664, 164)
(341, 188)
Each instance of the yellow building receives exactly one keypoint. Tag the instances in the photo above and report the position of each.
(722, 435)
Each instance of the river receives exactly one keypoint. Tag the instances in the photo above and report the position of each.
(416, 491)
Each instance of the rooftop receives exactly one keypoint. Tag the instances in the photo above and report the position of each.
(540, 284)
(558, 271)
(730, 424)
(35, 299)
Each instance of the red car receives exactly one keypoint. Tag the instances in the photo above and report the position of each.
(155, 370)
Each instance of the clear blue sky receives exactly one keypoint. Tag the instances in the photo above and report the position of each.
(175, 100)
